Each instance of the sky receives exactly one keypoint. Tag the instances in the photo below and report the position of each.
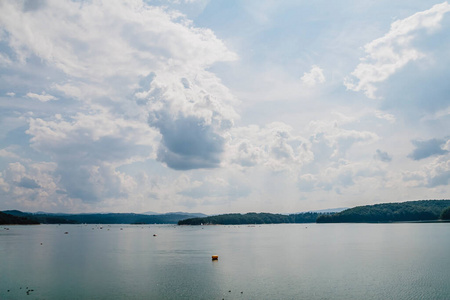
(222, 106)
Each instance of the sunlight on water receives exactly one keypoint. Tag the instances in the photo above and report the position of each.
(296, 261)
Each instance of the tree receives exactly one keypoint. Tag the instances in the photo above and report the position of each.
(421, 210)
(445, 215)
(7, 219)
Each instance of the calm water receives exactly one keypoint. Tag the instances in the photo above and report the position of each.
(310, 261)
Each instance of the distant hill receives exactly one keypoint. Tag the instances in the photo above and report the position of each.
(422, 210)
(150, 213)
(330, 210)
(252, 218)
(7, 219)
(99, 218)
(127, 218)
(191, 215)
(42, 218)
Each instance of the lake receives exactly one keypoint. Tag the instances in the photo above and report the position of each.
(285, 261)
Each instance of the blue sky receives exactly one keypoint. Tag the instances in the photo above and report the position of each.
(222, 106)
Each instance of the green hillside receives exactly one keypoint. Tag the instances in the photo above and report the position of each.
(7, 219)
(252, 218)
(100, 218)
(422, 210)
(445, 215)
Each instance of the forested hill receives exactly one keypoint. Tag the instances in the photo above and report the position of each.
(422, 210)
(100, 218)
(7, 219)
(252, 218)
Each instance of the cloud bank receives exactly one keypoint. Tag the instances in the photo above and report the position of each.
(134, 106)
(388, 54)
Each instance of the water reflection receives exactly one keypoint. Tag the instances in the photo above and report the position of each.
(320, 261)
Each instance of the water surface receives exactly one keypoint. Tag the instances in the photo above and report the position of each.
(292, 261)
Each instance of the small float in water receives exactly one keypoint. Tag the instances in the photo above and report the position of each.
(215, 257)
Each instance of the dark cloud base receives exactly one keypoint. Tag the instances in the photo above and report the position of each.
(425, 149)
(187, 143)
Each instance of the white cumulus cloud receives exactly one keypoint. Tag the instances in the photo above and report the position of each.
(394, 50)
(313, 77)
(44, 97)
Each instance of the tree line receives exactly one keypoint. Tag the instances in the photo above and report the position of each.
(7, 219)
(252, 218)
(422, 210)
(98, 218)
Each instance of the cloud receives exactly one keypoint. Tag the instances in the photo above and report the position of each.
(313, 77)
(88, 148)
(439, 173)
(427, 148)
(218, 188)
(441, 179)
(435, 173)
(188, 143)
(385, 116)
(42, 97)
(147, 117)
(8, 154)
(388, 54)
(383, 156)
(193, 114)
(5, 61)
(28, 183)
(120, 38)
(275, 146)
(134, 80)
(331, 141)
(316, 162)
(339, 176)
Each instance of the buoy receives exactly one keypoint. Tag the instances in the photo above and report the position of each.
(215, 257)
(66, 232)
(154, 234)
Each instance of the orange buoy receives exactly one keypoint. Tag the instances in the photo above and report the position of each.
(215, 257)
